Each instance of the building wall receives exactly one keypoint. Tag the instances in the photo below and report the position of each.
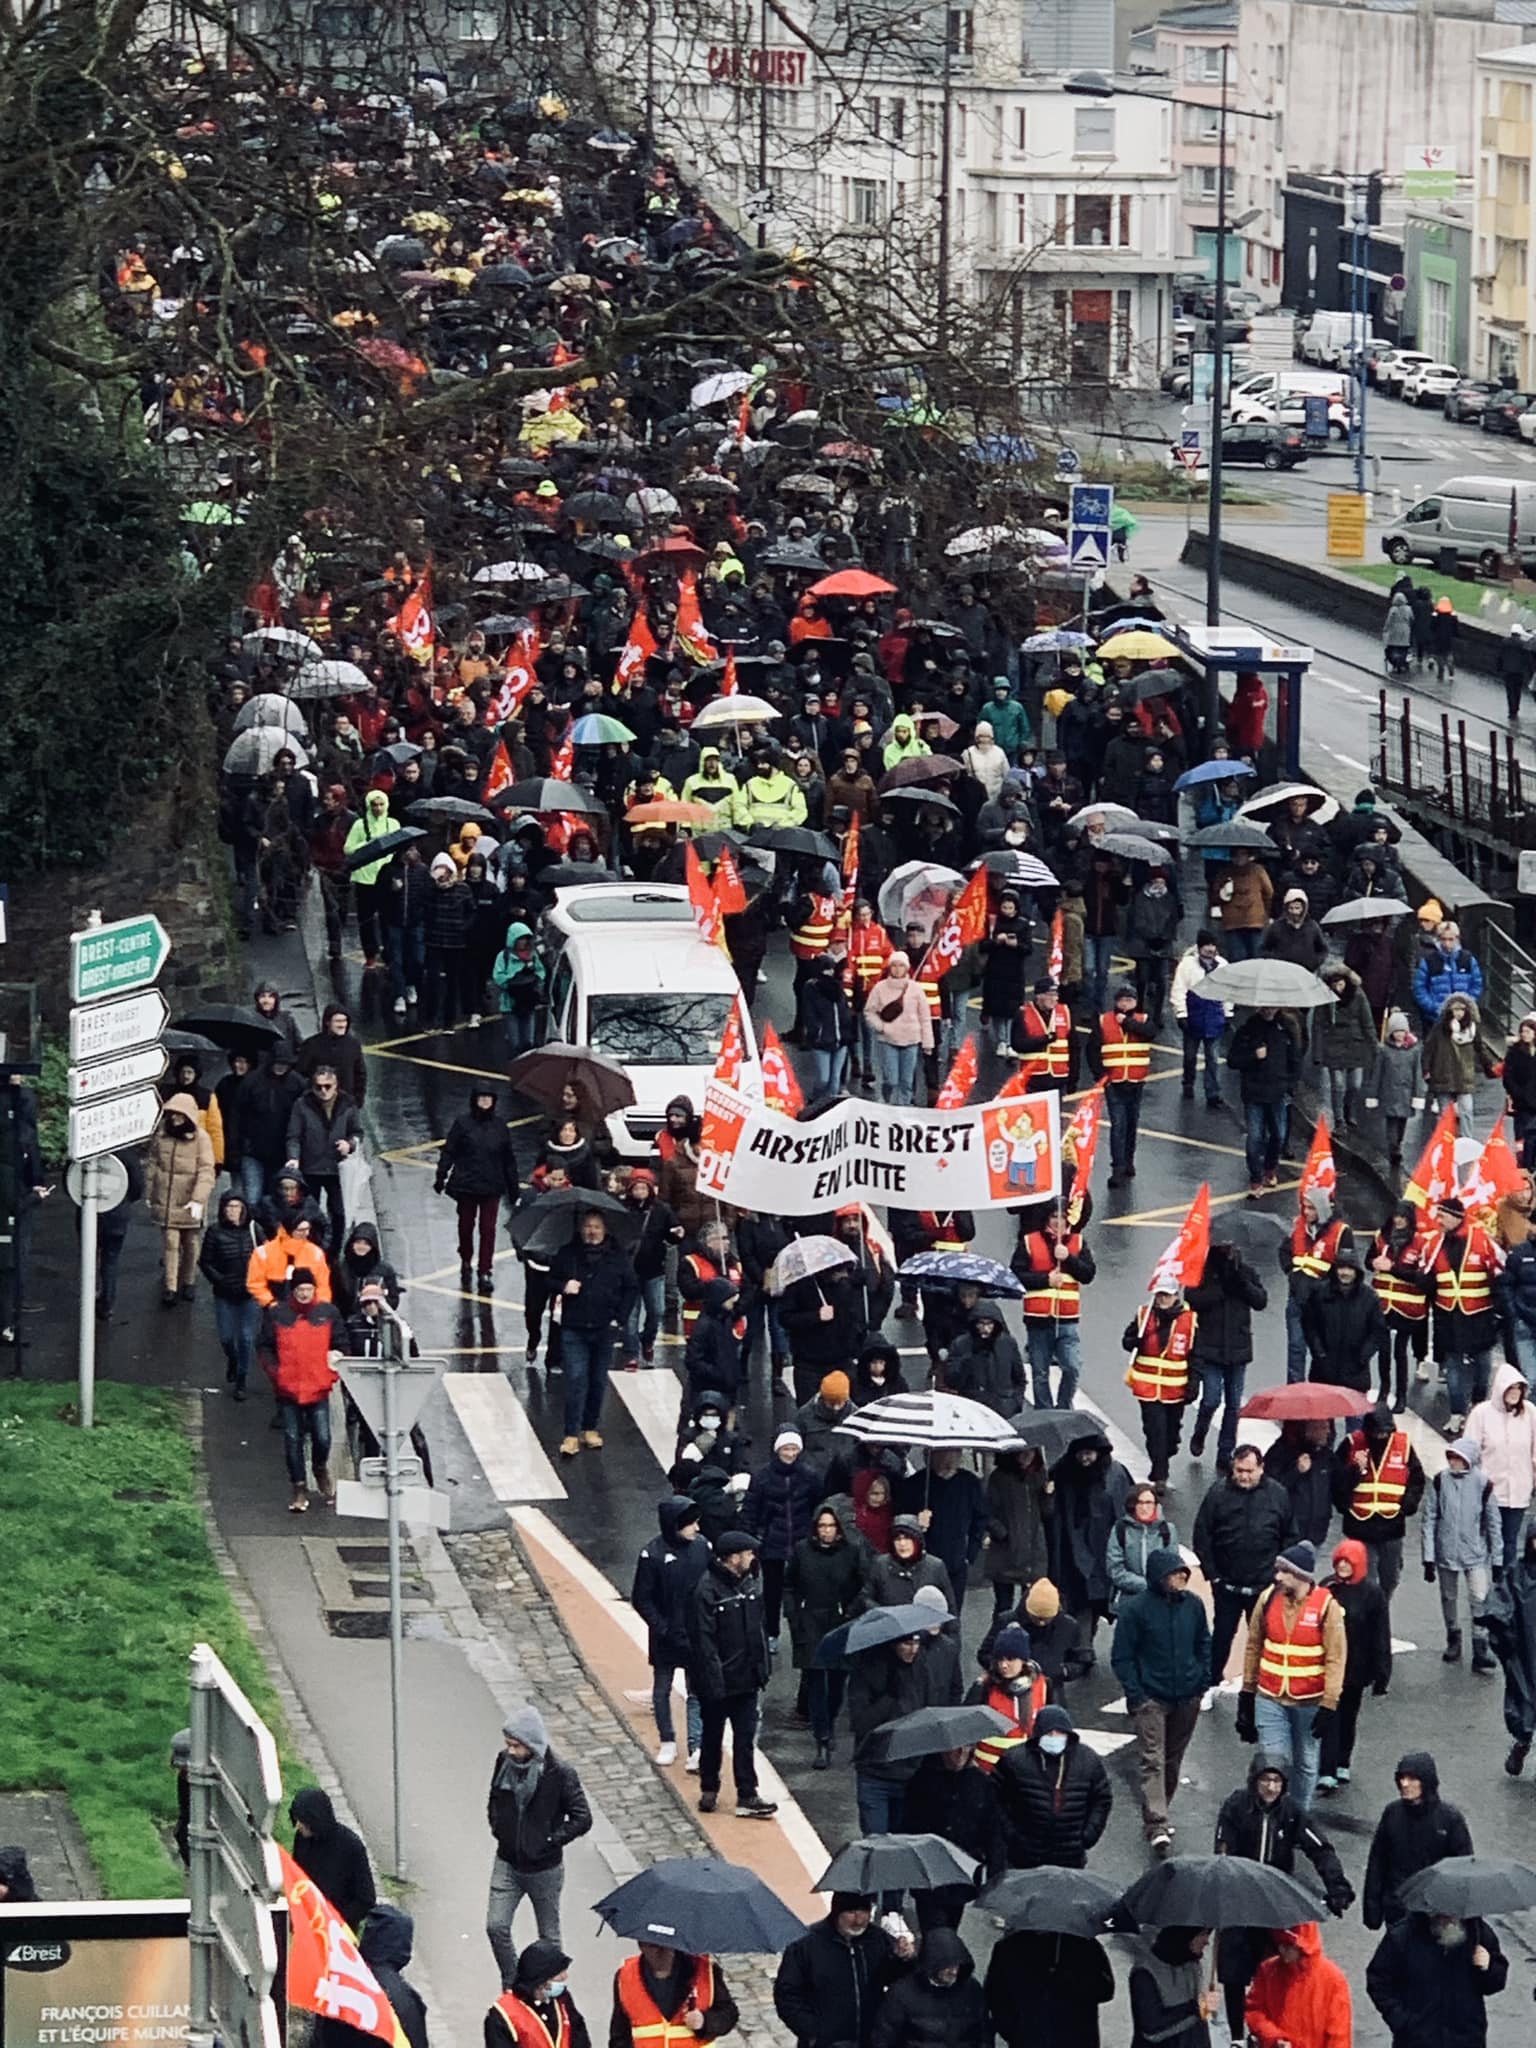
(1437, 305)
(1504, 321)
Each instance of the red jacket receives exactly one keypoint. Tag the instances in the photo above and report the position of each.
(1305, 2003)
(302, 1341)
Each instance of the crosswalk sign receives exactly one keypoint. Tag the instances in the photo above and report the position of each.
(1088, 549)
(1088, 534)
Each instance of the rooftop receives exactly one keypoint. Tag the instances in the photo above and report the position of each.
(1205, 14)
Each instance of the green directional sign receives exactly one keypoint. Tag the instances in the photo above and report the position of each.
(115, 959)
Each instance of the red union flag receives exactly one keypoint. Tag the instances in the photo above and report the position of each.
(1435, 1175)
(415, 624)
(1319, 1175)
(689, 633)
(701, 893)
(964, 924)
(1184, 1261)
(1058, 950)
(1495, 1174)
(563, 766)
(638, 649)
(326, 1973)
(730, 682)
(498, 776)
(961, 1078)
(730, 890)
(521, 673)
(780, 1088)
(1083, 1131)
(728, 1059)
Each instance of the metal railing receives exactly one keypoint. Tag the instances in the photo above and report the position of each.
(1509, 979)
(1471, 778)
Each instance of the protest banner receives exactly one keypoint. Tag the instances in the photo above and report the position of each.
(978, 1156)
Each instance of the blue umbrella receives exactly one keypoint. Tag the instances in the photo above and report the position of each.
(877, 1625)
(1057, 642)
(954, 1269)
(1213, 771)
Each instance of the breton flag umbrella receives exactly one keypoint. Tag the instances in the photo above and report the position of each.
(936, 1420)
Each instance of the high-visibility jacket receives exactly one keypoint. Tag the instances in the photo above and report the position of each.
(1464, 1269)
(649, 2026)
(1048, 1290)
(705, 1269)
(1314, 1256)
(272, 1265)
(1406, 1294)
(940, 1231)
(525, 2026)
(869, 947)
(811, 938)
(1018, 1707)
(1292, 1659)
(1161, 1374)
(1125, 1058)
(1380, 1492)
(1053, 1060)
(930, 988)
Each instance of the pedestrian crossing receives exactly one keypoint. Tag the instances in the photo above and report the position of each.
(502, 1438)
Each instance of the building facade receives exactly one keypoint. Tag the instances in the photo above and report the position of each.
(1504, 317)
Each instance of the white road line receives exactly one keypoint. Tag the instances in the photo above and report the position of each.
(651, 1396)
(502, 1437)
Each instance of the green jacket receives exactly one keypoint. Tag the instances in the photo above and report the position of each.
(373, 824)
(771, 799)
(1010, 725)
(515, 977)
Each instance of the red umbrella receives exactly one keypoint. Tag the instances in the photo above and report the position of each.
(853, 583)
(685, 554)
(1303, 1401)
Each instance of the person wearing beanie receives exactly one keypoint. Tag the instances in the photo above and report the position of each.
(666, 1573)
(539, 2005)
(1012, 1685)
(894, 1581)
(777, 1509)
(818, 1421)
(535, 1808)
(1055, 1795)
(1120, 1053)
(832, 1982)
(1378, 1483)
(729, 1664)
(1293, 1667)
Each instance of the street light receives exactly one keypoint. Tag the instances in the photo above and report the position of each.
(1094, 85)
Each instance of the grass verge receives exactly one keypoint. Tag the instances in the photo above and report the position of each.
(109, 1583)
(1465, 592)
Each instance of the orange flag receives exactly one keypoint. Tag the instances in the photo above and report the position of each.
(1495, 1174)
(964, 924)
(701, 893)
(326, 1973)
(744, 415)
(638, 649)
(1083, 1130)
(498, 776)
(563, 766)
(728, 1060)
(1435, 1175)
(690, 635)
(1184, 1261)
(730, 890)
(730, 682)
(415, 624)
(1058, 950)
(1319, 1173)
(961, 1078)
(780, 1088)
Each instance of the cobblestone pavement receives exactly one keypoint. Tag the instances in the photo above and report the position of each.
(641, 1806)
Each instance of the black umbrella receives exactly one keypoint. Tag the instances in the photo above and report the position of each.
(549, 793)
(550, 1222)
(1053, 1431)
(595, 505)
(1053, 1900)
(503, 274)
(544, 1074)
(1126, 846)
(605, 550)
(790, 557)
(934, 799)
(875, 1626)
(381, 848)
(1152, 682)
(1220, 1891)
(503, 622)
(794, 839)
(521, 469)
(703, 1906)
(186, 1041)
(1470, 1888)
(401, 752)
(1231, 833)
(931, 1730)
(232, 1027)
(901, 1863)
(454, 810)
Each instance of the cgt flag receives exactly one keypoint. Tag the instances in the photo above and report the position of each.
(729, 1059)
(1058, 952)
(326, 1972)
(961, 1078)
(781, 1090)
(1495, 1174)
(416, 624)
(730, 682)
(498, 775)
(1435, 1175)
(964, 924)
(1319, 1175)
(638, 649)
(702, 894)
(730, 890)
(1082, 1139)
(1183, 1262)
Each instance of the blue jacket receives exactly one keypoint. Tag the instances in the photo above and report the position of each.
(1439, 975)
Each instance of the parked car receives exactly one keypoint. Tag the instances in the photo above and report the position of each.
(1176, 380)
(1501, 413)
(1466, 400)
(1375, 351)
(1525, 426)
(1290, 410)
(1271, 447)
(1430, 383)
(1394, 369)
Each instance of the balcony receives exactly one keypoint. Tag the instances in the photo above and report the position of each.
(1512, 221)
(1508, 302)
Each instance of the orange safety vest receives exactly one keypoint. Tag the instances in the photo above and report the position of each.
(1381, 1491)
(647, 2022)
(1292, 1661)
(1162, 1375)
(706, 1270)
(527, 2029)
(940, 1234)
(869, 947)
(1055, 1059)
(1125, 1058)
(1048, 1291)
(1467, 1288)
(1020, 1709)
(815, 935)
(1399, 1297)
(930, 989)
(1314, 1256)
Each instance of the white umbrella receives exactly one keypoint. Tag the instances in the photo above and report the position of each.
(1272, 799)
(1364, 909)
(1263, 983)
(1114, 816)
(982, 540)
(327, 679)
(511, 572)
(286, 640)
(909, 884)
(934, 1419)
(253, 752)
(714, 390)
(804, 1257)
(269, 710)
(738, 710)
(650, 502)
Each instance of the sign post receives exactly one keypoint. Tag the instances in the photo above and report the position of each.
(1088, 534)
(115, 1057)
(1346, 525)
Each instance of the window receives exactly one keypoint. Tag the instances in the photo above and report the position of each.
(962, 127)
(1059, 229)
(1021, 222)
(1092, 215)
(1122, 343)
(1425, 513)
(864, 202)
(989, 218)
(961, 31)
(1203, 66)
(343, 22)
(1435, 315)
(475, 24)
(1202, 124)
(896, 115)
(1200, 182)
(1020, 129)
(1123, 221)
(1093, 131)
(658, 1030)
(872, 116)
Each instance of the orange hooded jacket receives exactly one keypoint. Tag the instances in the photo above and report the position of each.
(1305, 2003)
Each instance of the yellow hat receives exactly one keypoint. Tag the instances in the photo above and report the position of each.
(1043, 1602)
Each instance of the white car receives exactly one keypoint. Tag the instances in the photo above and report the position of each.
(1290, 412)
(1526, 425)
(1430, 383)
(1395, 369)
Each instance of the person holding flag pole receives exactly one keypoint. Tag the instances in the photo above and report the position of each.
(1161, 1338)
(1310, 1253)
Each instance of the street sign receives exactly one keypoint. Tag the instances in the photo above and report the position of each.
(109, 1077)
(107, 1028)
(1088, 536)
(1429, 173)
(235, 1877)
(1190, 457)
(115, 959)
(104, 1179)
(1068, 461)
(417, 1504)
(1189, 437)
(414, 1378)
(1346, 525)
(115, 1121)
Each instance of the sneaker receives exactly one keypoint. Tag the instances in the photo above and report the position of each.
(1514, 1763)
(1456, 1425)
(1342, 1774)
(755, 1808)
(1188, 1091)
(474, 1020)
(631, 1365)
(486, 1280)
(1197, 1444)
(906, 1312)
(1208, 1699)
(1255, 1189)
(667, 1754)
(1271, 1180)
(1325, 1785)
(410, 996)
(708, 1801)
(399, 1006)
(1161, 1842)
(592, 1440)
(1421, 1371)
(692, 1765)
(648, 1353)
(532, 1352)
(569, 1446)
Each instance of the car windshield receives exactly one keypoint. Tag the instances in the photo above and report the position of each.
(659, 1030)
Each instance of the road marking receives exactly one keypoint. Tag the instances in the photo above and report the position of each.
(463, 1294)
(1150, 1218)
(652, 1396)
(502, 1437)
(1204, 1144)
(388, 1052)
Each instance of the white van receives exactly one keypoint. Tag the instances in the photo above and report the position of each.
(631, 976)
(1331, 338)
(1469, 514)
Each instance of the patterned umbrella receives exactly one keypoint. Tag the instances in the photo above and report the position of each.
(804, 1257)
(935, 1420)
(957, 1269)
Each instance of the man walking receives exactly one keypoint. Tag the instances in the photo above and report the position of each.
(594, 1281)
(1416, 1829)
(1242, 1525)
(1266, 1057)
(1293, 1671)
(1162, 1657)
(324, 1129)
(535, 1808)
(1224, 1299)
(477, 1168)
(729, 1666)
(1120, 1049)
(1378, 1483)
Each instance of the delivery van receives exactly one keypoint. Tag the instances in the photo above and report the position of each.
(1470, 515)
